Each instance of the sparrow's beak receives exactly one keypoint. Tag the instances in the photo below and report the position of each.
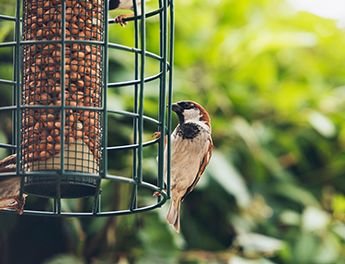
(177, 109)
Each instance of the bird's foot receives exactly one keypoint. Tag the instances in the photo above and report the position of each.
(156, 135)
(120, 19)
(157, 194)
(20, 204)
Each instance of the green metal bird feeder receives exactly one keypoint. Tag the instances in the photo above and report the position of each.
(59, 110)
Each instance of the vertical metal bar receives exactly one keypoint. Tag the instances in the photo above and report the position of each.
(105, 63)
(141, 91)
(62, 109)
(170, 92)
(134, 194)
(13, 101)
(18, 101)
(14, 90)
(162, 91)
(105, 87)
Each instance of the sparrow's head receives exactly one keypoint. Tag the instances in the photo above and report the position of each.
(189, 111)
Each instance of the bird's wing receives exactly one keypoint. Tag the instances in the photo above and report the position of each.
(9, 159)
(205, 160)
(10, 187)
(8, 164)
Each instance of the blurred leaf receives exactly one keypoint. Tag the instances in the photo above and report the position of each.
(314, 219)
(252, 137)
(328, 251)
(240, 260)
(229, 178)
(296, 194)
(289, 217)
(305, 248)
(3, 151)
(64, 259)
(114, 103)
(6, 28)
(338, 205)
(280, 40)
(322, 124)
(256, 244)
(157, 247)
(339, 229)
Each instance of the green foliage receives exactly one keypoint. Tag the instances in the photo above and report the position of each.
(274, 84)
(62, 259)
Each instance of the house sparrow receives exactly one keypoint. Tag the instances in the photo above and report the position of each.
(75, 157)
(124, 4)
(190, 153)
(10, 187)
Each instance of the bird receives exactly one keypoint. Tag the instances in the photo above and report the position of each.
(124, 4)
(75, 157)
(10, 197)
(191, 151)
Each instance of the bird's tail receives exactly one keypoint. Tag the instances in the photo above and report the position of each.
(173, 216)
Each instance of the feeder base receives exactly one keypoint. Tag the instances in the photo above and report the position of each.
(72, 186)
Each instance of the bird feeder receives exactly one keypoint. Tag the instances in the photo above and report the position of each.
(59, 112)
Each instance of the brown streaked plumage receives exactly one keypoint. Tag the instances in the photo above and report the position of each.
(191, 152)
(10, 187)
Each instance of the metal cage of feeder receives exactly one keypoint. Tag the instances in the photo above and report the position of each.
(59, 109)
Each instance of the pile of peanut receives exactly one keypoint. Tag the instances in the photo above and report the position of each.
(42, 83)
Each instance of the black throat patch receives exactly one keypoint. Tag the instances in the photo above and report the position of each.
(188, 130)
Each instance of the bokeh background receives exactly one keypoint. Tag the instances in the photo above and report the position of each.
(273, 80)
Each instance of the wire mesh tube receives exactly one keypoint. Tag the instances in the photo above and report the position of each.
(61, 97)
